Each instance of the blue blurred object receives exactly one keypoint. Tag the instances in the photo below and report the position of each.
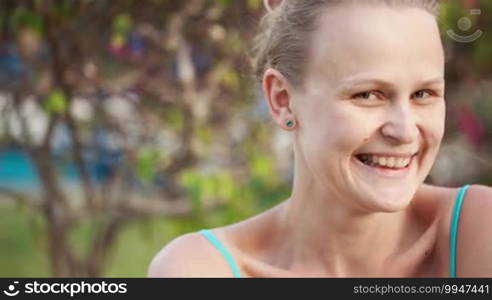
(136, 44)
(105, 156)
(17, 171)
(11, 66)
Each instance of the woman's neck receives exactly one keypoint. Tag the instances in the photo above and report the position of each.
(324, 236)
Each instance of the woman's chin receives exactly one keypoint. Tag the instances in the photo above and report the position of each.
(388, 199)
(385, 190)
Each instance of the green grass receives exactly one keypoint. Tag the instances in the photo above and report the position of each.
(23, 249)
(22, 246)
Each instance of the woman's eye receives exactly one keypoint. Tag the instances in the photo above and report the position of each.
(422, 94)
(365, 96)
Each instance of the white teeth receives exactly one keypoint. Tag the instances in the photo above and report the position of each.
(390, 162)
(400, 163)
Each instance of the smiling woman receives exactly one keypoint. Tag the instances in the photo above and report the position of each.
(360, 85)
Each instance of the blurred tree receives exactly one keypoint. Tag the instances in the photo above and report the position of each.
(147, 91)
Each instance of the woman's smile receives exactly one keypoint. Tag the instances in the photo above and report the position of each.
(393, 166)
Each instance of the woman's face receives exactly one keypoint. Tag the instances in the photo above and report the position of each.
(371, 111)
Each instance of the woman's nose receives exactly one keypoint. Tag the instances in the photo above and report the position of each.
(400, 125)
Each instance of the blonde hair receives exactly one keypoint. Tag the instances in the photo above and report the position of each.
(283, 41)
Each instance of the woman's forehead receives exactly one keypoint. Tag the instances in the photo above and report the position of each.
(354, 39)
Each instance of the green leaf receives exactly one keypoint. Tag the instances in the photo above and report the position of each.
(122, 23)
(173, 118)
(209, 187)
(225, 3)
(56, 103)
(261, 166)
(146, 165)
(204, 135)
(193, 183)
(254, 4)
(196, 193)
(231, 79)
(25, 18)
(225, 185)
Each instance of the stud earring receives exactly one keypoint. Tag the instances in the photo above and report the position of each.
(290, 123)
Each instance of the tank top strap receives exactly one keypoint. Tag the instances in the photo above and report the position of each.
(223, 250)
(454, 229)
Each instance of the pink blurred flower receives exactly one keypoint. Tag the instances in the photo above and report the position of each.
(470, 125)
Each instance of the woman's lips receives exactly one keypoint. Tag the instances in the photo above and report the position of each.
(387, 171)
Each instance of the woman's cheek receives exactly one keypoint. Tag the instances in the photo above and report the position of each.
(433, 120)
(337, 131)
(357, 127)
(348, 137)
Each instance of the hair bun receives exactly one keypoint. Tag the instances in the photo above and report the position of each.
(270, 5)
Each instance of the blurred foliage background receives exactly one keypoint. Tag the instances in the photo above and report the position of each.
(126, 123)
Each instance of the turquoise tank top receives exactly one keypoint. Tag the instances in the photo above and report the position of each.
(453, 238)
(223, 250)
(454, 229)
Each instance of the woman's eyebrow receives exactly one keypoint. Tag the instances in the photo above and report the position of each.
(347, 86)
(366, 81)
(351, 83)
(437, 80)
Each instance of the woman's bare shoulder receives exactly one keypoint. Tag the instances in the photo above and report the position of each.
(189, 255)
(474, 248)
(434, 201)
(475, 233)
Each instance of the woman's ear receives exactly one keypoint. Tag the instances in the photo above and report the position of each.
(271, 4)
(278, 94)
